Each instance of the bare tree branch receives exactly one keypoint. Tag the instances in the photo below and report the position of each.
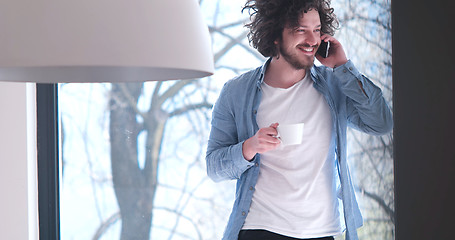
(106, 225)
(239, 41)
(172, 91)
(370, 41)
(191, 107)
(389, 211)
(156, 91)
(229, 25)
(228, 46)
(179, 214)
(368, 152)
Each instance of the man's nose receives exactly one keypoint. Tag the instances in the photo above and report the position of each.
(313, 39)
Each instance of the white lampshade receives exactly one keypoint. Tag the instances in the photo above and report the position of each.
(50, 41)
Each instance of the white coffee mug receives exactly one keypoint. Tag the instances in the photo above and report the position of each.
(290, 134)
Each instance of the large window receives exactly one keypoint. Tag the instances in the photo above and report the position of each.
(132, 155)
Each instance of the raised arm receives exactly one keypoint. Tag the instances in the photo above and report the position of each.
(366, 107)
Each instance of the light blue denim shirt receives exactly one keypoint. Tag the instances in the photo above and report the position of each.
(234, 121)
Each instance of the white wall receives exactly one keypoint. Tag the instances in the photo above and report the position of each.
(18, 199)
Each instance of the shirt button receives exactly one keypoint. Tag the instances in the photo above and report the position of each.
(256, 164)
(255, 111)
(243, 213)
(350, 68)
(251, 188)
(344, 70)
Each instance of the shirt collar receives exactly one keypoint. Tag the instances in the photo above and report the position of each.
(313, 73)
(263, 69)
(266, 64)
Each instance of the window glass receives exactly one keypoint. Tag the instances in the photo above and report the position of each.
(133, 155)
(365, 32)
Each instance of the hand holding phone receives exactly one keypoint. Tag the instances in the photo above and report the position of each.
(323, 49)
(333, 55)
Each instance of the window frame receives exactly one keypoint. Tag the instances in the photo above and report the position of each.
(48, 161)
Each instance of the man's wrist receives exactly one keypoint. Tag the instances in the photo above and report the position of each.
(248, 154)
(341, 63)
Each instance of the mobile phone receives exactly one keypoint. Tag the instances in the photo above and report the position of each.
(323, 49)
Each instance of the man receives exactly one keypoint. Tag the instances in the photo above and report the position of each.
(289, 192)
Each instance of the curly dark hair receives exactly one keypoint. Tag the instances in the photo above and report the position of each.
(270, 17)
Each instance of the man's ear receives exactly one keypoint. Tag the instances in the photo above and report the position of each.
(276, 42)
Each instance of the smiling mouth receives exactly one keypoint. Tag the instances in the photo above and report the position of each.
(307, 49)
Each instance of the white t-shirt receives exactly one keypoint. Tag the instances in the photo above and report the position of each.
(295, 194)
